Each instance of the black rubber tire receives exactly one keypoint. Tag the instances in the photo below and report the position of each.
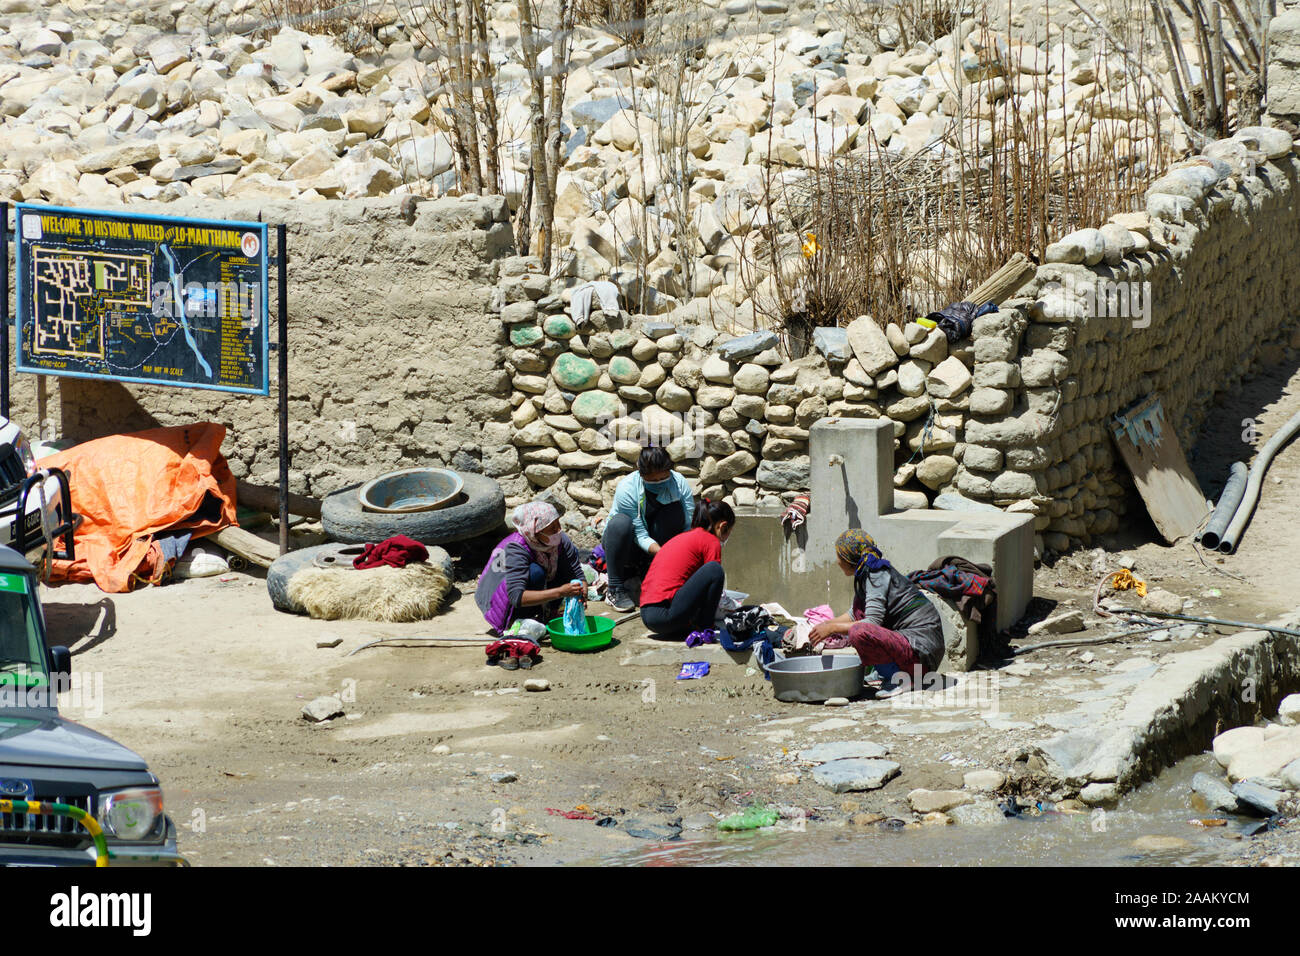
(482, 509)
(287, 565)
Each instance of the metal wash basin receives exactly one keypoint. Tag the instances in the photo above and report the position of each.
(411, 490)
(811, 680)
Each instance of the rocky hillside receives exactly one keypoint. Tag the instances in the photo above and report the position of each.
(108, 104)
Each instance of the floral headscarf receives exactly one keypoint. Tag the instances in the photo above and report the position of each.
(529, 520)
(858, 549)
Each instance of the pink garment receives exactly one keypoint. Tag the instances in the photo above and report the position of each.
(815, 615)
(801, 633)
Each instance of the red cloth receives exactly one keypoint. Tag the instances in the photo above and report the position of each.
(877, 645)
(570, 814)
(676, 561)
(396, 552)
(510, 647)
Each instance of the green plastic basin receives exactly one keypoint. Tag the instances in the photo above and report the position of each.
(600, 634)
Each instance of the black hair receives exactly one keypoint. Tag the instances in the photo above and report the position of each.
(709, 513)
(652, 460)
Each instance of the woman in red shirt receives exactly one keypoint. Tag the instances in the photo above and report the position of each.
(682, 589)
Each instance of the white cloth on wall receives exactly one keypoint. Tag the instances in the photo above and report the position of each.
(580, 304)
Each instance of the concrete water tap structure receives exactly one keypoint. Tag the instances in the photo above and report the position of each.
(852, 468)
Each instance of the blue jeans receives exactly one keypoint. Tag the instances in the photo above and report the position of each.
(624, 560)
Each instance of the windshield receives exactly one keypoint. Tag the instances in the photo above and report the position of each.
(22, 643)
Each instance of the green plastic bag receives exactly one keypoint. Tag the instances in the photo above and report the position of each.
(753, 818)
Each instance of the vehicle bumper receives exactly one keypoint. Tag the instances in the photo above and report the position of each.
(119, 854)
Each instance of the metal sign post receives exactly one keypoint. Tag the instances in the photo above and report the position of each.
(4, 310)
(282, 367)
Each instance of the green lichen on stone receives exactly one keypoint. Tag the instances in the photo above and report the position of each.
(596, 408)
(559, 327)
(575, 373)
(623, 370)
(522, 336)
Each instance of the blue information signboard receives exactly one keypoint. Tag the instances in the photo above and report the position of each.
(161, 300)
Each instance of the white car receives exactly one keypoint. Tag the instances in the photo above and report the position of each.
(39, 495)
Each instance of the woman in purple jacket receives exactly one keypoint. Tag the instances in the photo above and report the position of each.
(529, 570)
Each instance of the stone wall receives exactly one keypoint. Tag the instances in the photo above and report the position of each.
(393, 359)
(1015, 417)
(1217, 244)
(1283, 67)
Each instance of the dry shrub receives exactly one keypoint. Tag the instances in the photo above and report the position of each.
(352, 23)
(898, 236)
(909, 21)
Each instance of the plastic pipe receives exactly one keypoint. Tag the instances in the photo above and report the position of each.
(1232, 536)
(1229, 501)
(1132, 612)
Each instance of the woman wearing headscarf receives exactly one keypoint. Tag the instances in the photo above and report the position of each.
(892, 625)
(530, 569)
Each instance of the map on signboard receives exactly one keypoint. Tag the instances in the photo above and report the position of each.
(153, 299)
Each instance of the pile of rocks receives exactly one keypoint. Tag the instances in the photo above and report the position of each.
(1262, 765)
(120, 104)
(142, 102)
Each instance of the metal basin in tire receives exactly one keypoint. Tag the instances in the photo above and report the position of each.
(480, 508)
(811, 680)
(411, 489)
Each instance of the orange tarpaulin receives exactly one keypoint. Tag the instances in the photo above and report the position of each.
(130, 488)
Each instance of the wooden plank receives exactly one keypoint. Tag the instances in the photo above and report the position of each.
(1155, 458)
(264, 498)
(248, 546)
(997, 287)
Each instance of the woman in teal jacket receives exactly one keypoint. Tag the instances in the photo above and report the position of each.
(651, 505)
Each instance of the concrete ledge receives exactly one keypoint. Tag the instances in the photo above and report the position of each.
(1177, 711)
(914, 540)
(960, 636)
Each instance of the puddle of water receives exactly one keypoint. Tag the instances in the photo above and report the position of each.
(1161, 808)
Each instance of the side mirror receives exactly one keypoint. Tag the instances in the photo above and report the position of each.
(61, 667)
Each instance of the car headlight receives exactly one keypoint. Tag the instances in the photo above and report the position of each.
(130, 814)
(24, 449)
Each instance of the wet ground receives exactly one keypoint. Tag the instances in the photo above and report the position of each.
(442, 759)
(1154, 826)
